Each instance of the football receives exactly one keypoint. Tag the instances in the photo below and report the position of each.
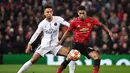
(74, 55)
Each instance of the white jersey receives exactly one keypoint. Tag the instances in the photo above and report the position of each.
(50, 31)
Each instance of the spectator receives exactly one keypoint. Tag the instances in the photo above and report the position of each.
(19, 46)
(20, 18)
(113, 20)
(124, 49)
(105, 49)
(115, 48)
(106, 43)
(9, 47)
(2, 44)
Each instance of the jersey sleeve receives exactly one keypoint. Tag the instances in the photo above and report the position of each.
(71, 25)
(63, 22)
(96, 22)
(37, 32)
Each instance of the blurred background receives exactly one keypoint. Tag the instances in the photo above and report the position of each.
(20, 18)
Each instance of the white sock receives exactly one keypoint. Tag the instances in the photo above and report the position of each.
(72, 67)
(25, 66)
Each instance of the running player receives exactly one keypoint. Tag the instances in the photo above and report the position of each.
(50, 28)
(82, 27)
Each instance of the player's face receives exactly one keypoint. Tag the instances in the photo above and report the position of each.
(82, 14)
(48, 13)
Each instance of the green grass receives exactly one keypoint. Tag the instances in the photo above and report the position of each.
(51, 69)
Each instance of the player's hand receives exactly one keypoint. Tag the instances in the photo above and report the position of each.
(58, 43)
(111, 35)
(29, 48)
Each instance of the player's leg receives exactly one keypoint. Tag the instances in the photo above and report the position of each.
(72, 67)
(91, 53)
(66, 62)
(63, 51)
(39, 52)
(95, 56)
(35, 57)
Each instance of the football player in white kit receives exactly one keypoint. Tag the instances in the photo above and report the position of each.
(50, 28)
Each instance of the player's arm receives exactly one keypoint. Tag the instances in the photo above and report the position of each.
(97, 23)
(63, 22)
(33, 38)
(63, 37)
(107, 30)
(70, 25)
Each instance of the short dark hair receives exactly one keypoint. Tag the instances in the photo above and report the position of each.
(81, 8)
(47, 6)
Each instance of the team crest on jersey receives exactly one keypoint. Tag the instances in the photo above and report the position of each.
(89, 24)
(55, 24)
(78, 26)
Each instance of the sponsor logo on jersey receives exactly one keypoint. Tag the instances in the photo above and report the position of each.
(89, 24)
(84, 30)
(50, 31)
(78, 26)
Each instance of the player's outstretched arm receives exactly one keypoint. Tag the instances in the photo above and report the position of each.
(63, 37)
(107, 30)
(33, 38)
(29, 48)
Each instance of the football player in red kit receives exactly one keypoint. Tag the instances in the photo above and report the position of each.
(82, 27)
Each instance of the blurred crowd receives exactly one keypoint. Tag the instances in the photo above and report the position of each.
(20, 18)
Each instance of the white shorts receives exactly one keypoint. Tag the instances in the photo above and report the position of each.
(52, 49)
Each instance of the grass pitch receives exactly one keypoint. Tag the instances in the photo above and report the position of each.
(39, 68)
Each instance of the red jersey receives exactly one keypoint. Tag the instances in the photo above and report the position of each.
(82, 29)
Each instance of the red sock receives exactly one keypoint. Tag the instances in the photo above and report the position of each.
(60, 69)
(95, 69)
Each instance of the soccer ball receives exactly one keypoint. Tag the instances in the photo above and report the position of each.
(74, 55)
